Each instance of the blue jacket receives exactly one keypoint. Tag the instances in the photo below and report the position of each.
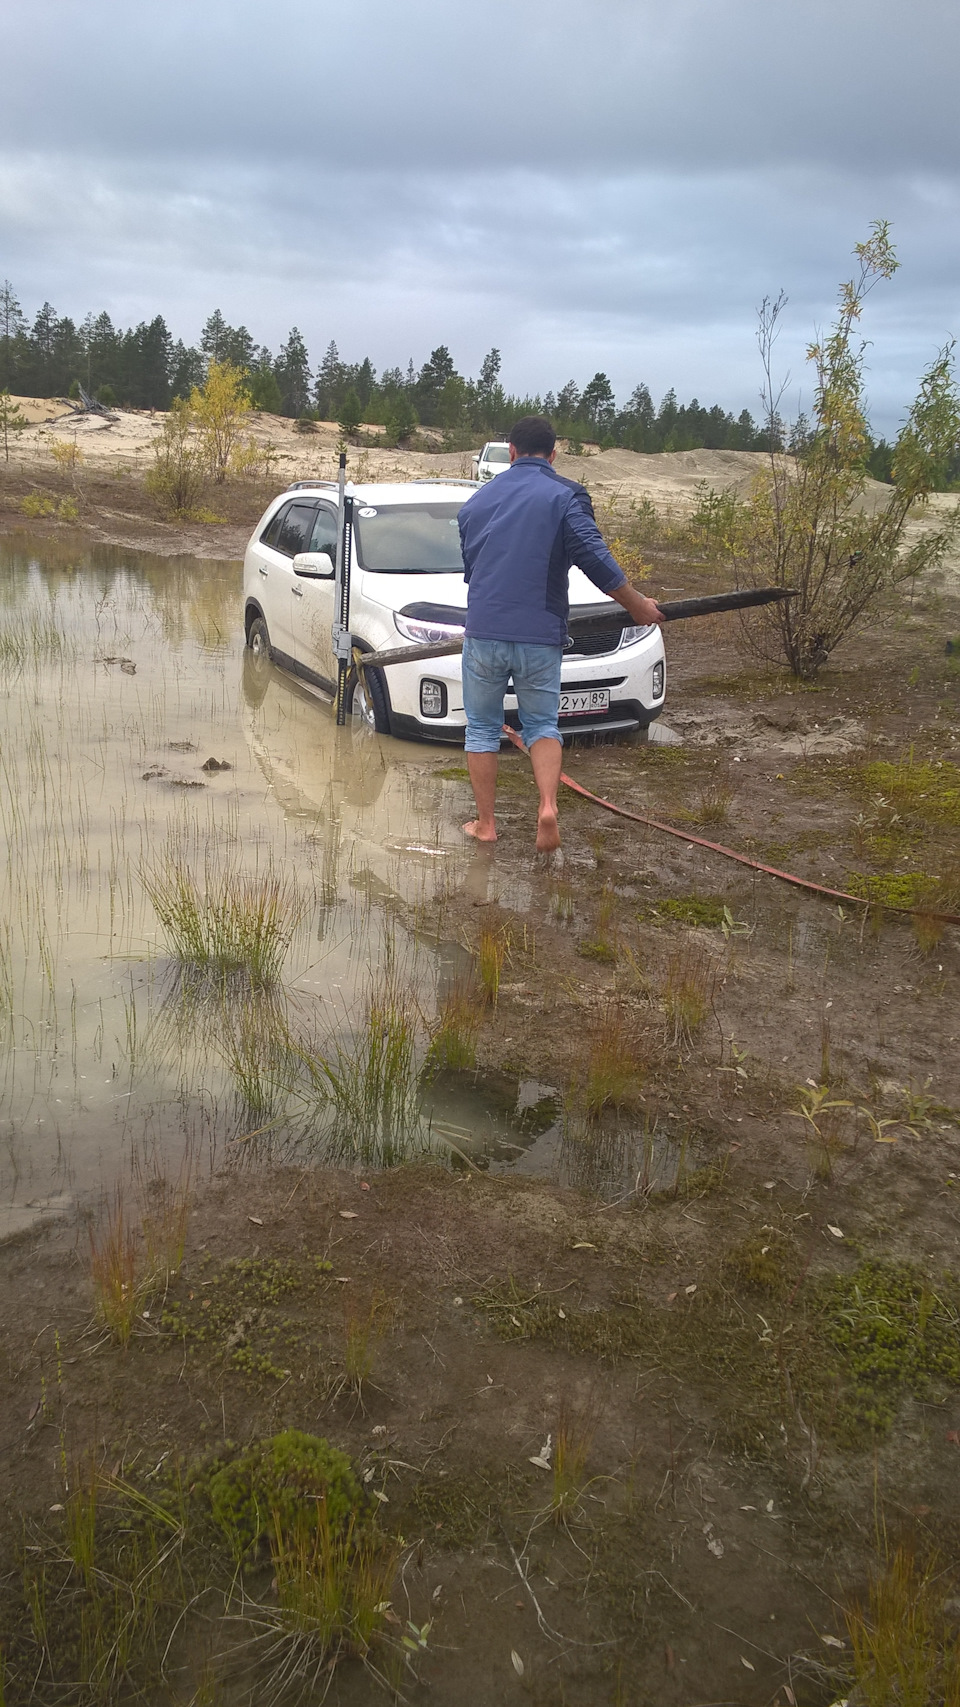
(521, 534)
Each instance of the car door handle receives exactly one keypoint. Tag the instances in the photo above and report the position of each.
(297, 591)
(262, 569)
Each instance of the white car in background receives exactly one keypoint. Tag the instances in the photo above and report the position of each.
(407, 585)
(491, 460)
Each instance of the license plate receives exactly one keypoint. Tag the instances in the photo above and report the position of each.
(585, 704)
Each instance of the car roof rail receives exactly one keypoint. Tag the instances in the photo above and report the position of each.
(300, 485)
(438, 480)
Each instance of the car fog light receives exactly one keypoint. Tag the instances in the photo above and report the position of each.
(657, 679)
(433, 698)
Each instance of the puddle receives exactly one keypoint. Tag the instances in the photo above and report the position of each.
(138, 735)
(100, 1076)
(507, 1125)
(661, 735)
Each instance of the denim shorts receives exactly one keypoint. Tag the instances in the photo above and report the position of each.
(488, 666)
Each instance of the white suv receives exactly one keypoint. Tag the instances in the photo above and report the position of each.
(407, 584)
(491, 460)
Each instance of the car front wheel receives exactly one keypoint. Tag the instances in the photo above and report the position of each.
(258, 640)
(370, 701)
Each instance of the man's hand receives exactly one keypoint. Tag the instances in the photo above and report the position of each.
(645, 612)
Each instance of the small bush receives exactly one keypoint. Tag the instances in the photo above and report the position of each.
(35, 504)
(66, 454)
(178, 475)
(276, 1488)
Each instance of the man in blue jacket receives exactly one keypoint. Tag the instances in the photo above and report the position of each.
(521, 533)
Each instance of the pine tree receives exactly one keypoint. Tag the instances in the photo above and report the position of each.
(431, 380)
(264, 390)
(350, 415)
(187, 369)
(13, 332)
(597, 404)
(293, 375)
(213, 338)
(329, 386)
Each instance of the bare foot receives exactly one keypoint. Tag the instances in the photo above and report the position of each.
(548, 832)
(473, 829)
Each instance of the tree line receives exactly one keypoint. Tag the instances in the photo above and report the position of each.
(143, 367)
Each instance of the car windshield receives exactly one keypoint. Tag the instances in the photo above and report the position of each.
(409, 539)
(497, 453)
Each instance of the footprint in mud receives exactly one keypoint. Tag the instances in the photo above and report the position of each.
(216, 765)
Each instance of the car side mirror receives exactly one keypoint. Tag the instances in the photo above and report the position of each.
(314, 565)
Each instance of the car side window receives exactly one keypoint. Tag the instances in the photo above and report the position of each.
(271, 532)
(297, 528)
(326, 531)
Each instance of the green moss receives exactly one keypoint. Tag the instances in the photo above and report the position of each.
(706, 910)
(277, 1484)
(892, 888)
(598, 950)
(767, 1264)
(454, 773)
(927, 790)
(233, 1313)
(894, 1334)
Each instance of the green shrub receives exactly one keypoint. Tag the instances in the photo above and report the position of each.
(280, 1484)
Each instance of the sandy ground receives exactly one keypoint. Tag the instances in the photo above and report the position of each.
(120, 445)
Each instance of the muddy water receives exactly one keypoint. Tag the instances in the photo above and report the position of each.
(135, 729)
(121, 676)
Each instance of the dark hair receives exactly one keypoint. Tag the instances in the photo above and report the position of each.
(533, 436)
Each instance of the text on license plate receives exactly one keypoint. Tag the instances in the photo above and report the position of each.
(584, 703)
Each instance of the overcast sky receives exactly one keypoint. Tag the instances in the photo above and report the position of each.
(610, 184)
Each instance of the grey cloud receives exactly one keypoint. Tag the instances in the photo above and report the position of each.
(607, 186)
(605, 83)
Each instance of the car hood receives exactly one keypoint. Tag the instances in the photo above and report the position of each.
(397, 591)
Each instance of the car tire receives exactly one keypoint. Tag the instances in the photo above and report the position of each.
(258, 640)
(370, 701)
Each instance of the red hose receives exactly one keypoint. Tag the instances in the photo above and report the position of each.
(730, 853)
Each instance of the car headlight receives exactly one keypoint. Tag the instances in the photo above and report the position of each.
(629, 635)
(426, 633)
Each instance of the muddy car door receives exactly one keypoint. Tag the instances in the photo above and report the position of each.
(313, 604)
(288, 532)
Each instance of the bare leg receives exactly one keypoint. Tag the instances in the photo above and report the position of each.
(546, 757)
(483, 778)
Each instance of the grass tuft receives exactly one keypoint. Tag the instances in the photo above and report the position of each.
(902, 1649)
(687, 993)
(228, 927)
(453, 1039)
(491, 954)
(369, 1088)
(616, 1064)
(117, 1285)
